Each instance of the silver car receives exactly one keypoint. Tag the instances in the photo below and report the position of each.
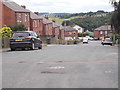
(107, 41)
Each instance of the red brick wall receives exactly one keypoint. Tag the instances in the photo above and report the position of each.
(73, 34)
(23, 18)
(47, 29)
(9, 16)
(62, 34)
(56, 32)
(36, 25)
(98, 34)
(1, 14)
(40, 26)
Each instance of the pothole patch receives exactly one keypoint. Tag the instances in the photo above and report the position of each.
(21, 62)
(50, 72)
(57, 67)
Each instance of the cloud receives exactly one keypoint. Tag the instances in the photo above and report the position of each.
(66, 5)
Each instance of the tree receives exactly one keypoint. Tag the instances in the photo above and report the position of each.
(115, 21)
(67, 23)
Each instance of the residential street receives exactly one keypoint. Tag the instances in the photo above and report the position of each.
(62, 66)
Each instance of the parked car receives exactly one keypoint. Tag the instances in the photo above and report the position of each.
(96, 38)
(107, 41)
(90, 38)
(85, 40)
(25, 39)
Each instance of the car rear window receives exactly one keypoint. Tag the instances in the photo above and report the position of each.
(21, 34)
(107, 39)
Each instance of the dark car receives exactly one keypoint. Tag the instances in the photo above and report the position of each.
(107, 41)
(25, 39)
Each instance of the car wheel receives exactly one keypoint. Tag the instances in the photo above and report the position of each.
(23, 48)
(33, 46)
(40, 47)
(12, 49)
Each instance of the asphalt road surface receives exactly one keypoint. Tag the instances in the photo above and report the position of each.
(62, 66)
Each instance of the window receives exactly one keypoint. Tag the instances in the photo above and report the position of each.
(105, 32)
(74, 32)
(25, 17)
(70, 33)
(101, 32)
(20, 17)
(34, 23)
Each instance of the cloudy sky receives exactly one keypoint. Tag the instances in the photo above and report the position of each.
(68, 6)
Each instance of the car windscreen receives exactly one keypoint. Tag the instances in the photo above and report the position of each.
(21, 34)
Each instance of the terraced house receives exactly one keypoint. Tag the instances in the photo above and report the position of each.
(15, 14)
(47, 28)
(56, 31)
(62, 32)
(36, 23)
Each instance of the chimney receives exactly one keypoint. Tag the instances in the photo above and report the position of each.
(23, 6)
(36, 13)
(46, 17)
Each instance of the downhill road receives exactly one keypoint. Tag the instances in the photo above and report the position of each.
(62, 66)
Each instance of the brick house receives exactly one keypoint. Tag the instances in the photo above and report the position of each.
(15, 14)
(36, 23)
(56, 31)
(47, 28)
(77, 27)
(102, 31)
(62, 32)
(70, 33)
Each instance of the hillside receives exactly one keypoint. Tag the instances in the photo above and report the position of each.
(89, 21)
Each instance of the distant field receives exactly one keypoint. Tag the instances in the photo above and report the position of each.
(59, 20)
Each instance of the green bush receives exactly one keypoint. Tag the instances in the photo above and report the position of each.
(83, 34)
(6, 32)
(18, 27)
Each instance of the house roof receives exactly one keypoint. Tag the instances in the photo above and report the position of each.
(69, 28)
(34, 16)
(55, 25)
(46, 21)
(104, 27)
(14, 6)
(61, 27)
